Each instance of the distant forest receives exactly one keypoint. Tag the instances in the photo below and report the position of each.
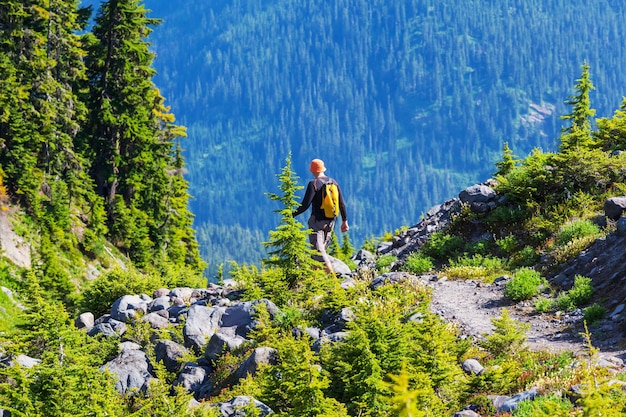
(407, 101)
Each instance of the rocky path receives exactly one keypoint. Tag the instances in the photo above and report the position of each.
(472, 306)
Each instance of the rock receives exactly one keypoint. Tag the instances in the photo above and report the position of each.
(614, 207)
(202, 322)
(127, 306)
(478, 193)
(220, 343)
(232, 408)
(85, 321)
(131, 369)
(466, 413)
(159, 303)
(195, 379)
(156, 320)
(169, 353)
(390, 278)
(472, 366)
(511, 403)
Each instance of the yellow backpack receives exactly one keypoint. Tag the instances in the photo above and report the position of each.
(330, 200)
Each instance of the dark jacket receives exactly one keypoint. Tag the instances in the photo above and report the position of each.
(313, 197)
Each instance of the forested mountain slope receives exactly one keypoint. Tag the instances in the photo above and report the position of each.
(407, 101)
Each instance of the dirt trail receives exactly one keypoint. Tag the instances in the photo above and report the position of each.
(472, 305)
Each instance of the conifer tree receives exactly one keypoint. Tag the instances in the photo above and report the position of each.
(346, 246)
(508, 161)
(131, 137)
(578, 134)
(41, 68)
(291, 250)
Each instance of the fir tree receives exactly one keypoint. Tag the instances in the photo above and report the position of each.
(131, 138)
(578, 134)
(291, 250)
(508, 161)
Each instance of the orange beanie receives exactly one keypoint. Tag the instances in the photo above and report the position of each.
(317, 165)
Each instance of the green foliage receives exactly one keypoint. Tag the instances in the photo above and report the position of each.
(486, 268)
(531, 182)
(99, 294)
(524, 284)
(417, 263)
(508, 337)
(550, 405)
(543, 305)
(383, 262)
(289, 246)
(576, 230)
(383, 337)
(578, 135)
(442, 246)
(593, 313)
(525, 257)
(581, 291)
(296, 385)
(507, 163)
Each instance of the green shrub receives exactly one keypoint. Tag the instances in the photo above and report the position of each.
(572, 248)
(564, 302)
(526, 257)
(103, 291)
(476, 267)
(576, 230)
(384, 262)
(525, 284)
(507, 244)
(550, 405)
(581, 291)
(594, 313)
(543, 305)
(442, 246)
(417, 263)
(508, 337)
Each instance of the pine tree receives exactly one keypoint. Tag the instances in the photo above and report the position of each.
(292, 252)
(578, 134)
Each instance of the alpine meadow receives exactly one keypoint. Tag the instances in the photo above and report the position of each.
(153, 157)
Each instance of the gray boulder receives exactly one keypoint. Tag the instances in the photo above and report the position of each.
(233, 408)
(131, 369)
(466, 413)
(472, 366)
(160, 303)
(169, 353)
(339, 266)
(85, 321)
(391, 278)
(202, 322)
(108, 327)
(222, 342)
(241, 315)
(508, 404)
(195, 379)
(614, 207)
(127, 307)
(478, 193)
(157, 320)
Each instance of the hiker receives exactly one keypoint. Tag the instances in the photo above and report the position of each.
(320, 225)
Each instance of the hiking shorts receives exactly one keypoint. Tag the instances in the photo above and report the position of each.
(321, 233)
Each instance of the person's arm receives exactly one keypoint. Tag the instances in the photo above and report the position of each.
(343, 211)
(307, 200)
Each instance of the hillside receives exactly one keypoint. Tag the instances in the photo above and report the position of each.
(505, 299)
(407, 101)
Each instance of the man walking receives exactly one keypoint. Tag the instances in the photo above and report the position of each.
(320, 225)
